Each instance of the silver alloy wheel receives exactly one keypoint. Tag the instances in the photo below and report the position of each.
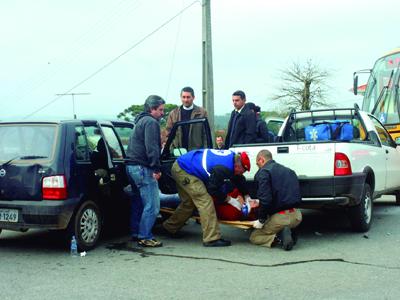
(367, 208)
(89, 225)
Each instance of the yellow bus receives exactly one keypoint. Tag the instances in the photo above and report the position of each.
(381, 97)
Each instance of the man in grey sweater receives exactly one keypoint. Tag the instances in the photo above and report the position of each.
(144, 169)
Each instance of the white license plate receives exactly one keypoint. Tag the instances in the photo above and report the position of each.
(8, 215)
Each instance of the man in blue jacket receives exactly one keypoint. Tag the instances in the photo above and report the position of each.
(278, 190)
(144, 169)
(199, 176)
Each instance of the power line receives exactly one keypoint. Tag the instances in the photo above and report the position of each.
(114, 59)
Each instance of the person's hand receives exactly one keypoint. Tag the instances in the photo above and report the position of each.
(235, 203)
(257, 224)
(240, 199)
(156, 175)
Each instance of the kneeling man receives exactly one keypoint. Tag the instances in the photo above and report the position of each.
(278, 190)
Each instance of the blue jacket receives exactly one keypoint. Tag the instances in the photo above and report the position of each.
(216, 169)
(201, 162)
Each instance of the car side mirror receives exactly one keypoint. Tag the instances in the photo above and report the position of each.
(355, 84)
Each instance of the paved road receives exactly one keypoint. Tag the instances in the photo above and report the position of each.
(329, 262)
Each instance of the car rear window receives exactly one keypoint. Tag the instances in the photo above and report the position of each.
(20, 141)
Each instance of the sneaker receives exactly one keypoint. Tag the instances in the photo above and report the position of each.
(150, 243)
(286, 237)
(217, 243)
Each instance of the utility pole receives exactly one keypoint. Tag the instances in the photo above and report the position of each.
(208, 80)
(73, 100)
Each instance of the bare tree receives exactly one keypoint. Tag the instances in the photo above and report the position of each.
(304, 86)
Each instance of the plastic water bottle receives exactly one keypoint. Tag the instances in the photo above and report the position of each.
(74, 247)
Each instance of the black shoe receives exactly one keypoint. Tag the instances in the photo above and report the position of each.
(286, 237)
(217, 243)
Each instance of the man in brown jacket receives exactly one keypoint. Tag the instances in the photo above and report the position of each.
(191, 136)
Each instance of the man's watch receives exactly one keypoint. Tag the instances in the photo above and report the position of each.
(262, 221)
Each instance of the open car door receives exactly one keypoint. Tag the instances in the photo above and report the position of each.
(173, 149)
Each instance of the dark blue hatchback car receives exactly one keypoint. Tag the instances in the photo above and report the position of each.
(66, 175)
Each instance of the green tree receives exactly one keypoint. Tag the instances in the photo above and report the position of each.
(130, 113)
(304, 86)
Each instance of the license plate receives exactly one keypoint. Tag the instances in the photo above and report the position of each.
(8, 215)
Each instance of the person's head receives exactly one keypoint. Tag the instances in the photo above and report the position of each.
(263, 157)
(251, 106)
(238, 99)
(187, 96)
(154, 105)
(257, 111)
(219, 140)
(242, 163)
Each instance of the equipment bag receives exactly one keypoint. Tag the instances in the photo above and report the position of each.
(318, 132)
(342, 131)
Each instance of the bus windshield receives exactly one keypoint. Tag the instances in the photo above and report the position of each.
(381, 95)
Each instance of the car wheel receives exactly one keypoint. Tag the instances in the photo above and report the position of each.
(86, 225)
(361, 214)
(397, 194)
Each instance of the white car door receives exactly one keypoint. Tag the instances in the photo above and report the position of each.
(392, 156)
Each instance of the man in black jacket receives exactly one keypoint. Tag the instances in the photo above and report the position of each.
(144, 169)
(262, 135)
(278, 190)
(242, 124)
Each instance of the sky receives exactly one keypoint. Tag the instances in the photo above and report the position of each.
(121, 51)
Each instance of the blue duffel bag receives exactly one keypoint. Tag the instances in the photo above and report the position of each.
(335, 131)
(342, 131)
(318, 132)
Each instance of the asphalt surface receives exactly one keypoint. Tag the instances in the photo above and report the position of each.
(329, 262)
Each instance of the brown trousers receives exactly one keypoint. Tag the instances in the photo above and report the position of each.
(266, 235)
(193, 194)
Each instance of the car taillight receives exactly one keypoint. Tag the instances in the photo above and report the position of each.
(54, 188)
(342, 165)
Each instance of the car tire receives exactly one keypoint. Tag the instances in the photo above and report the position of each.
(361, 214)
(86, 226)
(397, 194)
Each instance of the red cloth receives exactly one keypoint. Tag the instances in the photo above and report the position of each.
(227, 212)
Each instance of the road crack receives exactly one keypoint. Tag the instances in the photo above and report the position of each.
(146, 253)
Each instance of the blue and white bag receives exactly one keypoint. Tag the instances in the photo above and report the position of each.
(318, 132)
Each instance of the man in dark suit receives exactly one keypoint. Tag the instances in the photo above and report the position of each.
(242, 124)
